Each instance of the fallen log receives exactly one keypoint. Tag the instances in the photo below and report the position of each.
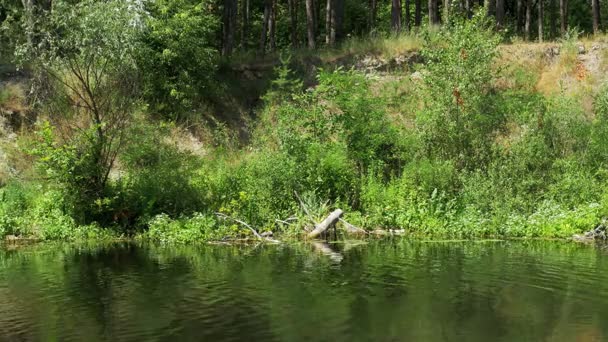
(329, 221)
(351, 229)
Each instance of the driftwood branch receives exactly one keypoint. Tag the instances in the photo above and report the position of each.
(224, 216)
(328, 222)
(351, 228)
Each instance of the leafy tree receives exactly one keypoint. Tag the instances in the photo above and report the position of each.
(178, 56)
(456, 120)
(89, 80)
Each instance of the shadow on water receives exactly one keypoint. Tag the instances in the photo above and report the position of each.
(387, 291)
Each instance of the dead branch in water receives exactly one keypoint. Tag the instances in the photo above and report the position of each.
(224, 216)
(328, 222)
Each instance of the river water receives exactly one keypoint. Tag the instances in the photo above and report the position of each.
(376, 291)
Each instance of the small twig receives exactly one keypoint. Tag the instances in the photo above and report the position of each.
(283, 222)
(224, 216)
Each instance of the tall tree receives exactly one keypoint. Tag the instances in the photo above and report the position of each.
(265, 24)
(446, 10)
(563, 15)
(528, 22)
(541, 17)
(373, 10)
(310, 23)
(418, 13)
(338, 20)
(293, 21)
(272, 29)
(490, 6)
(467, 8)
(229, 16)
(330, 23)
(519, 17)
(500, 13)
(396, 15)
(245, 14)
(407, 16)
(433, 12)
(595, 8)
(552, 18)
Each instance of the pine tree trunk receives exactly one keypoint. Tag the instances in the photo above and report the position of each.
(467, 8)
(446, 11)
(595, 8)
(373, 13)
(433, 15)
(500, 13)
(338, 20)
(265, 22)
(396, 16)
(563, 15)
(273, 27)
(407, 19)
(418, 13)
(528, 23)
(518, 19)
(293, 22)
(541, 17)
(244, 22)
(332, 23)
(328, 9)
(228, 26)
(490, 7)
(310, 23)
(552, 19)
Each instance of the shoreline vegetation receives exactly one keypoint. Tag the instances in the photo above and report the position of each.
(457, 131)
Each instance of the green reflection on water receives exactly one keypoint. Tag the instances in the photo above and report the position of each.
(391, 290)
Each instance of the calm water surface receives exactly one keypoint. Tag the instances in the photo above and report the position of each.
(380, 291)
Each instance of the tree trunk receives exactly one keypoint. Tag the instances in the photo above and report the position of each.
(396, 16)
(563, 15)
(373, 9)
(528, 23)
(541, 17)
(338, 20)
(310, 23)
(418, 13)
(490, 7)
(500, 13)
(595, 8)
(265, 22)
(446, 10)
(293, 22)
(330, 29)
(244, 22)
(331, 220)
(518, 17)
(272, 26)
(433, 15)
(229, 15)
(467, 8)
(552, 19)
(407, 20)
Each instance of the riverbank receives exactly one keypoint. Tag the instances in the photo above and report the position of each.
(515, 146)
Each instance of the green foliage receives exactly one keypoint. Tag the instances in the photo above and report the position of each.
(455, 152)
(197, 228)
(176, 54)
(458, 114)
(158, 177)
